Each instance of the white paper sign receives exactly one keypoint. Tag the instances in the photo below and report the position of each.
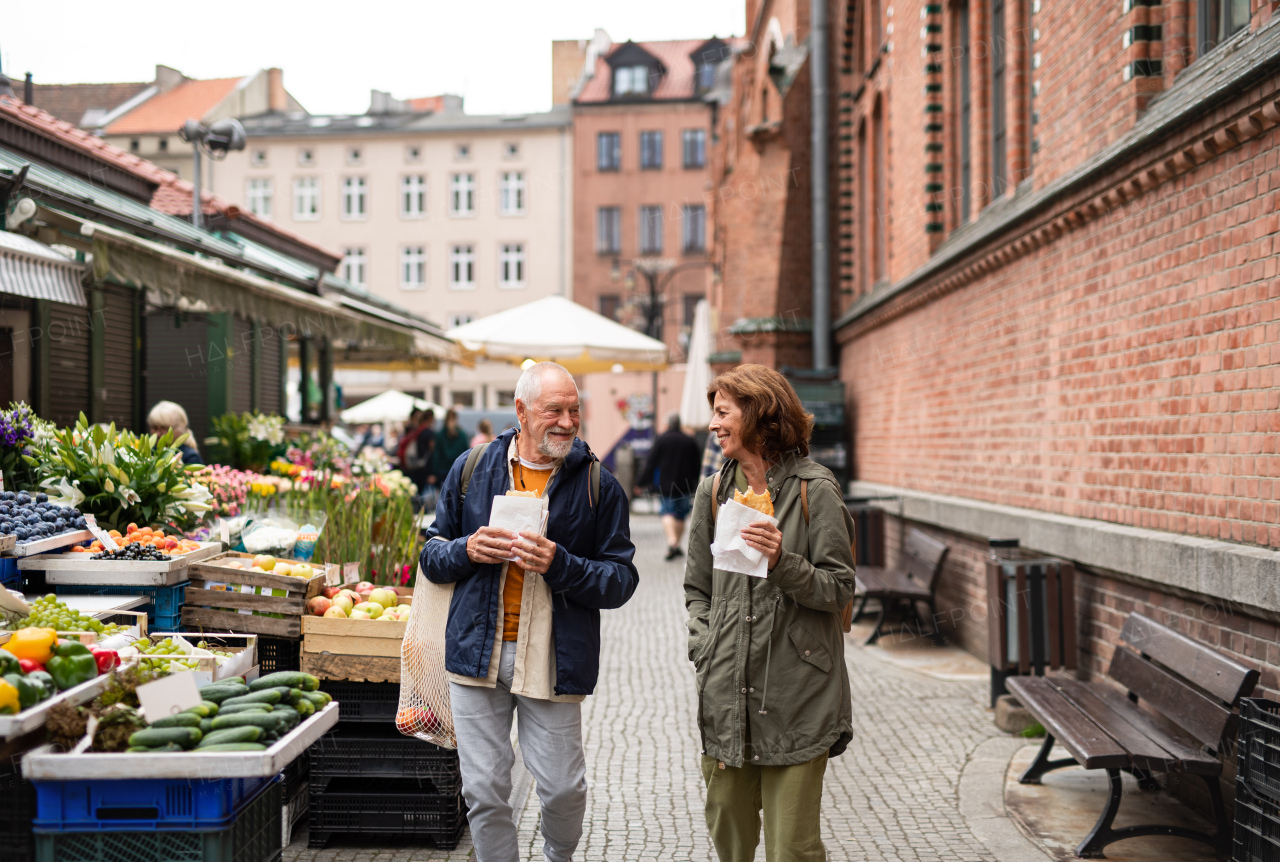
(730, 552)
(100, 534)
(351, 573)
(169, 695)
(332, 575)
(517, 515)
(224, 531)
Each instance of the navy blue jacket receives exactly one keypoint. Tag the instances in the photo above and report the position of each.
(592, 568)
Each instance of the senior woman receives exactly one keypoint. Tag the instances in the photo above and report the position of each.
(168, 416)
(773, 692)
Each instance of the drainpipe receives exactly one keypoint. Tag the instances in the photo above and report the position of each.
(818, 181)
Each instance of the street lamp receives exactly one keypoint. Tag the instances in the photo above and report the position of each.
(216, 140)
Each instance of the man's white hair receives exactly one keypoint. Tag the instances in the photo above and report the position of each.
(529, 386)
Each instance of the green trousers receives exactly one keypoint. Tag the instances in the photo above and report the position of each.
(791, 797)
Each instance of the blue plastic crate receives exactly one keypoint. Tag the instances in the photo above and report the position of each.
(166, 602)
(9, 572)
(165, 623)
(130, 805)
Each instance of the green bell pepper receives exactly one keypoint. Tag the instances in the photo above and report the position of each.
(8, 663)
(29, 693)
(72, 664)
(42, 679)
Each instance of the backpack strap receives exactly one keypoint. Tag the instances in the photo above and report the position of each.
(595, 483)
(804, 499)
(470, 467)
(715, 496)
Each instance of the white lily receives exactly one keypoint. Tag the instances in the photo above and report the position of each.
(68, 493)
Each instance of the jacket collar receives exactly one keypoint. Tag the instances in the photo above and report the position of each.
(579, 453)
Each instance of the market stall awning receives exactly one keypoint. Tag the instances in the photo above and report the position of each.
(695, 412)
(390, 406)
(557, 329)
(32, 269)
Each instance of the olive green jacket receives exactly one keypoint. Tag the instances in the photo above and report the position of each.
(768, 654)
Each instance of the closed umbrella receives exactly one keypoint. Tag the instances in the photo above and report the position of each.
(695, 412)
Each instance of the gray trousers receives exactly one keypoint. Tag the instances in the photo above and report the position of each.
(551, 743)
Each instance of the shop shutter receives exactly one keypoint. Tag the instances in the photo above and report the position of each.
(241, 365)
(68, 363)
(118, 347)
(269, 371)
(177, 350)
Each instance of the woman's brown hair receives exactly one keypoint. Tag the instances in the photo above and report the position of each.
(773, 420)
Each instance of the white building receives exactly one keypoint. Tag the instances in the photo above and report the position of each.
(448, 215)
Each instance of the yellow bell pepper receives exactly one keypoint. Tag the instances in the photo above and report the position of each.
(34, 644)
(8, 699)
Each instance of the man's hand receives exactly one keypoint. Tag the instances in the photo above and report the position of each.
(535, 552)
(765, 538)
(489, 545)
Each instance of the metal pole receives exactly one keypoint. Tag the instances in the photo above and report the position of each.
(818, 181)
(196, 214)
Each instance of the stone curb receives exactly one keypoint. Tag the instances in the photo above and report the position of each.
(982, 802)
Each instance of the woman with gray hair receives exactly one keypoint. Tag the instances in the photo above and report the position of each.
(168, 416)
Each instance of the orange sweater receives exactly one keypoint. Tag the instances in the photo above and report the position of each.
(526, 479)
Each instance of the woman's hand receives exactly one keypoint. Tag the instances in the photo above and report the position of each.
(765, 538)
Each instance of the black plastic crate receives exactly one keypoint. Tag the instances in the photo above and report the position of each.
(296, 775)
(364, 701)
(1257, 828)
(384, 806)
(17, 810)
(277, 654)
(375, 750)
(1258, 758)
(255, 836)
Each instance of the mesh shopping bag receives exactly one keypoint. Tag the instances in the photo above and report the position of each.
(424, 710)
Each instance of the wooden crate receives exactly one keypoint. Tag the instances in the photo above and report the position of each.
(353, 650)
(202, 604)
(72, 568)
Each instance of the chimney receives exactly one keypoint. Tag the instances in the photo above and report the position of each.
(28, 90)
(277, 98)
(168, 77)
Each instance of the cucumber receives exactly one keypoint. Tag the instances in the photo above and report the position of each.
(206, 725)
(182, 719)
(248, 733)
(305, 708)
(319, 699)
(287, 678)
(219, 692)
(153, 737)
(291, 715)
(244, 707)
(142, 749)
(250, 719)
(204, 710)
(266, 695)
(232, 746)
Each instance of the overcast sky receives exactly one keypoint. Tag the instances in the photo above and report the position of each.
(496, 53)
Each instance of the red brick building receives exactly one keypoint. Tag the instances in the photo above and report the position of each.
(1054, 283)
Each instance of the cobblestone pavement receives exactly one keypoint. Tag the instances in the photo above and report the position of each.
(892, 795)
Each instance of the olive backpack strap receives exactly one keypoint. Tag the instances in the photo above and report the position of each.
(595, 483)
(715, 496)
(468, 468)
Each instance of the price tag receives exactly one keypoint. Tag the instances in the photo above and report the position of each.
(351, 573)
(332, 575)
(224, 531)
(100, 534)
(1, 483)
(169, 695)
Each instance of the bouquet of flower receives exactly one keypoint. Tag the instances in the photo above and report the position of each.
(245, 441)
(20, 430)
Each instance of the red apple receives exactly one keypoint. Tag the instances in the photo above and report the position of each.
(355, 597)
(318, 605)
(363, 587)
(331, 592)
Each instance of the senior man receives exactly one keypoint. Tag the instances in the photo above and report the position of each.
(525, 636)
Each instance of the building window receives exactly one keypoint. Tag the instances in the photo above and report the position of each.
(706, 76)
(306, 198)
(306, 157)
(650, 151)
(650, 230)
(460, 318)
(511, 193)
(354, 155)
(631, 81)
(353, 198)
(259, 195)
(1218, 19)
(999, 109)
(694, 147)
(462, 151)
(413, 154)
(694, 237)
(964, 114)
(506, 398)
(465, 399)
(511, 265)
(881, 211)
(413, 196)
(864, 208)
(609, 151)
(462, 266)
(163, 145)
(353, 266)
(134, 145)
(259, 158)
(462, 194)
(511, 151)
(609, 230)
(610, 305)
(413, 267)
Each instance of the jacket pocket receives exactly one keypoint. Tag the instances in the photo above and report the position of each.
(809, 648)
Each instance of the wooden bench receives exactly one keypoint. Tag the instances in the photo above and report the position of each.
(912, 586)
(1189, 692)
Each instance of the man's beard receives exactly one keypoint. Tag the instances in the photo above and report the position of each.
(552, 447)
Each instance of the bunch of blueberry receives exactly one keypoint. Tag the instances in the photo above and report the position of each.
(31, 517)
(135, 551)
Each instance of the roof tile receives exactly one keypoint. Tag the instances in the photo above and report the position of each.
(166, 112)
(678, 84)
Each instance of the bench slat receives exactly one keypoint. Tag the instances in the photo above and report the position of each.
(1147, 752)
(1087, 742)
(1203, 718)
(1206, 667)
(1193, 759)
(923, 558)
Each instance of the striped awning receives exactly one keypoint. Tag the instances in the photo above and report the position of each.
(33, 270)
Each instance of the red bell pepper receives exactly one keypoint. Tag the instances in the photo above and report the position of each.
(107, 659)
(28, 665)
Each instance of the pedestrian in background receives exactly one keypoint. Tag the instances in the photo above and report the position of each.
(450, 443)
(673, 469)
(524, 636)
(484, 433)
(168, 416)
(768, 653)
